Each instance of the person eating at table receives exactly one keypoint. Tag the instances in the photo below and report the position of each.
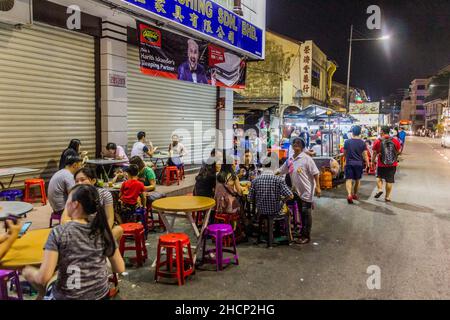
(116, 152)
(140, 148)
(8, 239)
(177, 149)
(80, 247)
(61, 183)
(248, 170)
(87, 176)
(148, 177)
(72, 150)
(131, 191)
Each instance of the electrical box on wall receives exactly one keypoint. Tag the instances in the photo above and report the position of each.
(16, 12)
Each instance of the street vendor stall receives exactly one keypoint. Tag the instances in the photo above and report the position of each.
(325, 127)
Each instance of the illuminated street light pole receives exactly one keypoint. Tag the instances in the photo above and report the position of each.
(350, 61)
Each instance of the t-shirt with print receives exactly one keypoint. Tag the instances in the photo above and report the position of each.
(146, 176)
(58, 189)
(78, 253)
(355, 149)
(377, 148)
(131, 190)
(302, 170)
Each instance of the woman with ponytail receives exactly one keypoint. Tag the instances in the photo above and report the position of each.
(78, 249)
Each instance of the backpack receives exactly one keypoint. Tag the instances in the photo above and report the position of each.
(388, 152)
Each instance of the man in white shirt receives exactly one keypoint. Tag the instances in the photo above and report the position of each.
(140, 148)
(304, 176)
(176, 148)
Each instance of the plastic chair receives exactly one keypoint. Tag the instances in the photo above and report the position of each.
(219, 232)
(31, 183)
(137, 232)
(184, 266)
(171, 174)
(11, 195)
(8, 275)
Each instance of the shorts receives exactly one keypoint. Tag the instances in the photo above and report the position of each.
(387, 173)
(353, 172)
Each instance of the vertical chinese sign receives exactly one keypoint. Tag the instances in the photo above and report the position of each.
(306, 68)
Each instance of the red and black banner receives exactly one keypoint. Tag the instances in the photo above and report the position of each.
(169, 55)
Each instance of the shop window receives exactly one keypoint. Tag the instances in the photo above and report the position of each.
(315, 77)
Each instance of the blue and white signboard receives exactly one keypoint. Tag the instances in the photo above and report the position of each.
(210, 19)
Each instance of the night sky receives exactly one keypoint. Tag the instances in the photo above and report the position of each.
(419, 44)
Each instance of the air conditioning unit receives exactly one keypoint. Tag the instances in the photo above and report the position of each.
(16, 12)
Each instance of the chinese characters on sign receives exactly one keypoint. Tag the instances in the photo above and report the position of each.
(306, 68)
(209, 18)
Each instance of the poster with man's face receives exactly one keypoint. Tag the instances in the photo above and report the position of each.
(169, 55)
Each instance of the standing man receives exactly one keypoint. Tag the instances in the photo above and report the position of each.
(268, 193)
(61, 183)
(305, 136)
(385, 151)
(304, 176)
(355, 152)
(402, 137)
(140, 148)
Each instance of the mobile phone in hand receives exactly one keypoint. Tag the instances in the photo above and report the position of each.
(25, 228)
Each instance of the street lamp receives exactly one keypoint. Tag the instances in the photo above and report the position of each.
(385, 37)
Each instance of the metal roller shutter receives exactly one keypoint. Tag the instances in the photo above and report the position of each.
(161, 106)
(47, 96)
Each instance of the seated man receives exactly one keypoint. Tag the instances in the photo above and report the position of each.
(248, 169)
(268, 192)
(115, 152)
(61, 183)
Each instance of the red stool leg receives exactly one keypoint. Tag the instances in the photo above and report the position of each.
(180, 263)
(27, 193)
(138, 249)
(122, 245)
(158, 260)
(43, 195)
(144, 248)
(169, 258)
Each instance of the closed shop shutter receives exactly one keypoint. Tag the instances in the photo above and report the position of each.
(47, 96)
(161, 106)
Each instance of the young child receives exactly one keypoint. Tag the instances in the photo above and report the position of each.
(78, 249)
(119, 176)
(132, 192)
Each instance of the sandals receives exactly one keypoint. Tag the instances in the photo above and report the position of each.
(378, 195)
(350, 200)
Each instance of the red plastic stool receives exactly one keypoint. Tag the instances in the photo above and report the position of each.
(35, 182)
(137, 232)
(171, 175)
(152, 223)
(184, 266)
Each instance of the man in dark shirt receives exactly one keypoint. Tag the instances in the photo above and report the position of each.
(355, 151)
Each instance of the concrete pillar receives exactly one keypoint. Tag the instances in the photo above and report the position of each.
(225, 134)
(113, 49)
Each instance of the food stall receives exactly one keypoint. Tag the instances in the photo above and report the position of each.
(326, 128)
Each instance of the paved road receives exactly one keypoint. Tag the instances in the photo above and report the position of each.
(408, 239)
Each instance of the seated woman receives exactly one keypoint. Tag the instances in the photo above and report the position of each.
(148, 177)
(228, 190)
(79, 247)
(205, 182)
(87, 176)
(72, 150)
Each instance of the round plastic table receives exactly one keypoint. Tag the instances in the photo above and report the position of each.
(183, 207)
(184, 204)
(26, 251)
(15, 208)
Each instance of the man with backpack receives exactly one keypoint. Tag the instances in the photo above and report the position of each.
(385, 151)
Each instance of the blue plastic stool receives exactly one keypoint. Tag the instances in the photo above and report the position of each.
(11, 195)
(142, 214)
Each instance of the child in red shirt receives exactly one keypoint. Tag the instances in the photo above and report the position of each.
(131, 191)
